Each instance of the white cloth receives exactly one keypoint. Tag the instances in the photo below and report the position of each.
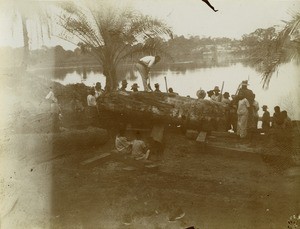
(122, 144)
(148, 60)
(242, 113)
(91, 101)
(243, 106)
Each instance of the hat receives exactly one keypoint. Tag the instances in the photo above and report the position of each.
(264, 106)
(201, 93)
(245, 82)
(135, 85)
(124, 82)
(156, 85)
(226, 94)
(216, 88)
(211, 92)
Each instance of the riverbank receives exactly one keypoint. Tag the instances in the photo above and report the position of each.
(225, 185)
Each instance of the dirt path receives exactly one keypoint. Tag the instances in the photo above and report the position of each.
(215, 189)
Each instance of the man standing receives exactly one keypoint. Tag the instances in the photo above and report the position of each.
(92, 110)
(143, 67)
(124, 85)
(242, 112)
(265, 119)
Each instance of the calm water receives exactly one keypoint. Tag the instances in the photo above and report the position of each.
(283, 89)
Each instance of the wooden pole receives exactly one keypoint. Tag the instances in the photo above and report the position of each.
(166, 84)
(221, 92)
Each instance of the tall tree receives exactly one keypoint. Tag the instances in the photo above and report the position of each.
(270, 49)
(23, 14)
(110, 33)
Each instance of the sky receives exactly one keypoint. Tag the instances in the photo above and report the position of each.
(189, 17)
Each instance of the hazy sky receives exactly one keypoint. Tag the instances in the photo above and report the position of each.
(194, 17)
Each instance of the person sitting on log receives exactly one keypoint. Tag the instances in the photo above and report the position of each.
(122, 144)
(157, 88)
(143, 67)
(124, 85)
(225, 98)
(210, 94)
(139, 148)
(135, 87)
(201, 94)
(216, 96)
(170, 90)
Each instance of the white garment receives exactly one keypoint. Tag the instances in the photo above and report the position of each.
(242, 112)
(148, 60)
(243, 107)
(91, 101)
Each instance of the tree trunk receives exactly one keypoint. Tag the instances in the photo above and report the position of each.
(26, 43)
(179, 110)
(111, 78)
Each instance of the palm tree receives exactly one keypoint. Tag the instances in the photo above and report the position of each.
(284, 48)
(23, 11)
(111, 34)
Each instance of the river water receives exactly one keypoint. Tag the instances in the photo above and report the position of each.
(283, 89)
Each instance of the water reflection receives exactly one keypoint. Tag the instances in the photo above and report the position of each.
(187, 78)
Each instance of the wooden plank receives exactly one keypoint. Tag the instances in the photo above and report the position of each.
(96, 158)
(201, 137)
(234, 147)
(223, 134)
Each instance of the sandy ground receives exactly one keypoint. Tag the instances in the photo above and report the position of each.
(214, 187)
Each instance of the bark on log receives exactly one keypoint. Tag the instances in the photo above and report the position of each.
(164, 107)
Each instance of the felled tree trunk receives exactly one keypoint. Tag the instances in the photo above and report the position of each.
(163, 107)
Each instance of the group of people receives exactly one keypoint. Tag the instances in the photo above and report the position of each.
(242, 111)
(136, 148)
(135, 87)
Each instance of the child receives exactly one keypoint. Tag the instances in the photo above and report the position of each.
(139, 148)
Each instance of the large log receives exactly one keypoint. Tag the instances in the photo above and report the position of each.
(164, 107)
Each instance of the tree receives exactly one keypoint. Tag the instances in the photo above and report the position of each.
(20, 12)
(285, 48)
(269, 49)
(111, 34)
